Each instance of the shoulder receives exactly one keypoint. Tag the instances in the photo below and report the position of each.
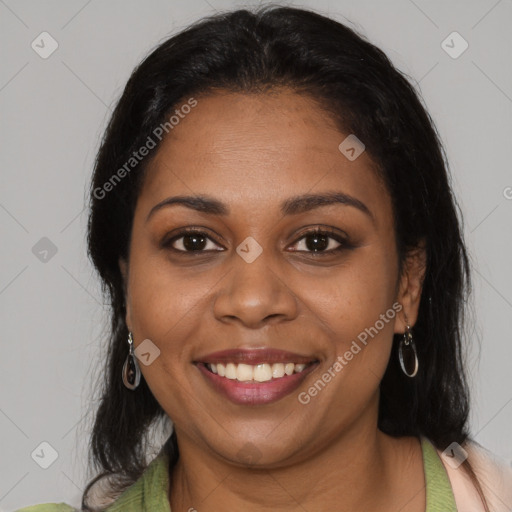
(48, 507)
(493, 474)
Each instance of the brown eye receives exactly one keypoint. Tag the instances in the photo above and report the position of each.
(317, 242)
(191, 240)
(321, 241)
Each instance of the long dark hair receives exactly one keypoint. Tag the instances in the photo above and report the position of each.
(356, 84)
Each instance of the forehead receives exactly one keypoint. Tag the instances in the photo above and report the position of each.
(253, 149)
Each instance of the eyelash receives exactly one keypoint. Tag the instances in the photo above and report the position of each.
(344, 243)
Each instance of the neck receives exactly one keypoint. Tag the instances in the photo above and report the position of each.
(354, 471)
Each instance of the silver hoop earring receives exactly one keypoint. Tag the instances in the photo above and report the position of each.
(407, 354)
(131, 370)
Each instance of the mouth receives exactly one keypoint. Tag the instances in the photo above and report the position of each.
(255, 377)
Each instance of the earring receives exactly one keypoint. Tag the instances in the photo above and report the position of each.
(131, 370)
(407, 354)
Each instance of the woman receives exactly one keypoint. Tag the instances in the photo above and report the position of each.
(272, 219)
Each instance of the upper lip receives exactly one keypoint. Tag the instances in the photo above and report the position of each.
(254, 356)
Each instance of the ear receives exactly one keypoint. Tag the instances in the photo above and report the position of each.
(123, 267)
(410, 287)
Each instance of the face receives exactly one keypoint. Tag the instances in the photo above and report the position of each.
(268, 276)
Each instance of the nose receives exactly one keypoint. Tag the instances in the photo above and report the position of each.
(255, 293)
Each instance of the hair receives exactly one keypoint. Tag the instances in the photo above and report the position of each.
(355, 83)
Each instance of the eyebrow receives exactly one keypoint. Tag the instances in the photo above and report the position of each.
(292, 206)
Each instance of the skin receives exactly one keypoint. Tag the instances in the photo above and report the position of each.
(252, 152)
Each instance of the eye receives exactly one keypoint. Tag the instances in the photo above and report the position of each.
(191, 240)
(322, 241)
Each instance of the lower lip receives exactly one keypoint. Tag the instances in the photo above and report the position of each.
(255, 393)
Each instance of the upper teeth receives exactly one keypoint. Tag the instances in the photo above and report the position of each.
(260, 373)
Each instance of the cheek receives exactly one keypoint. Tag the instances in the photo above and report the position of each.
(164, 304)
(357, 306)
(164, 298)
(353, 296)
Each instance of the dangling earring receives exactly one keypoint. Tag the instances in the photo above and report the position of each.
(131, 370)
(407, 354)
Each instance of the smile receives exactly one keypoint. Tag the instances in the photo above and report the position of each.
(262, 372)
(257, 376)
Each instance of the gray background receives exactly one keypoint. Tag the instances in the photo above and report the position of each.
(53, 112)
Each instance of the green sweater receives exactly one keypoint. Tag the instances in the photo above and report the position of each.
(149, 493)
